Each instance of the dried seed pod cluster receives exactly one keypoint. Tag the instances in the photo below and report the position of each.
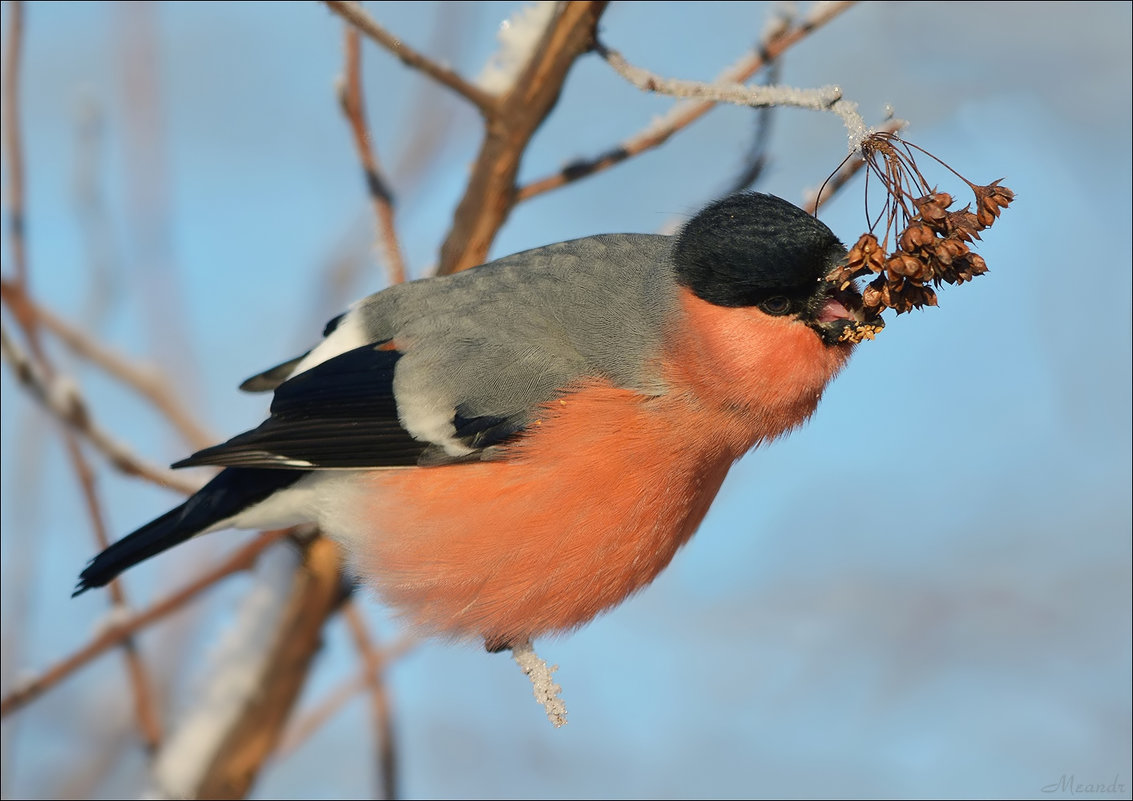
(933, 244)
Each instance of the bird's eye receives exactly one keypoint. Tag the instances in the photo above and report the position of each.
(777, 305)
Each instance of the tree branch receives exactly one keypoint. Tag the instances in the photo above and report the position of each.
(491, 192)
(59, 396)
(315, 594)
(140, 684)
(380, 195)
(815, 198)
(827, 98)
(118, 630)
(775, 42)
(374, 661)
(354, 14)
(146, 382)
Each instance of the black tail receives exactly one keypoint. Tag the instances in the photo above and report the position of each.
(231, 492)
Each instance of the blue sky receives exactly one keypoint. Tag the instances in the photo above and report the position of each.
(955, 621)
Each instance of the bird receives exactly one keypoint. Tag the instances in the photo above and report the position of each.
(509, 451)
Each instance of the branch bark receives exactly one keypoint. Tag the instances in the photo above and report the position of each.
(316, 594)
(511, 122)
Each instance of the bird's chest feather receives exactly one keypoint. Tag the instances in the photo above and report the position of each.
(587, 508)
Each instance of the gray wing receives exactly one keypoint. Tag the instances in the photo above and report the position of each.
(448, 369)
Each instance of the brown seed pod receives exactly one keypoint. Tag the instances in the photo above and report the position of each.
(918, 235)
(932, 246)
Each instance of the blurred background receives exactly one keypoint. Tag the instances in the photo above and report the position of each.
(924, 592)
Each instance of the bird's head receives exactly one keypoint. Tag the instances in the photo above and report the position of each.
(759, 251)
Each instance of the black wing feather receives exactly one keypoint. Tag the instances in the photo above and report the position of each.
(342, 414)
(270, 379)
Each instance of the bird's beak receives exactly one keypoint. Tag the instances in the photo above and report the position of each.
(839, 310)
(833, 309)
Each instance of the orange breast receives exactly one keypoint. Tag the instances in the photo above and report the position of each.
(593, 502)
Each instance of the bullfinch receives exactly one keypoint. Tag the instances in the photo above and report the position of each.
(509, 451)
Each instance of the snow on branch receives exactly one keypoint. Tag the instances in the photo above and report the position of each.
(827, 98)
(518, 36)
(237, 667)
(542, 682)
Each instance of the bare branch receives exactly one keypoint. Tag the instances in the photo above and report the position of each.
(304, 726)
(145, 708)
(114, 634)
(61, 398)
(491, 192)
(776, 41)
(374, 662)
(316, 593)
(815, 198)
(140, 684)
(147, 383)
(354, 14)
(380, 195)
(13, 145)
(756, 159)
(827, 98)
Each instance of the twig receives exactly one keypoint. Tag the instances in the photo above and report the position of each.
(144, 706)
(13, 223)
(114, 634)
(61, 398)
(491, 193)
(542, 682)
(756, 159)
(380, 195)
(145, 382)
(374, 662)
(354, 14)
(827, 98)
(815, 198)
(304, 726)
(13, 144)
(684, 113)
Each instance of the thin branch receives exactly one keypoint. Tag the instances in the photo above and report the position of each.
(542, 682)
(354, 14)
(815, 198)
(827, 98)
(141, 686)
(322, 711)
(118, 631)
(146, 382)
(756, 159)
(777, 41)
(13, 144)
(145, 708)
(305, 726)
(374, 662)
(380, 195)
(491, 192)
(59, 396)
